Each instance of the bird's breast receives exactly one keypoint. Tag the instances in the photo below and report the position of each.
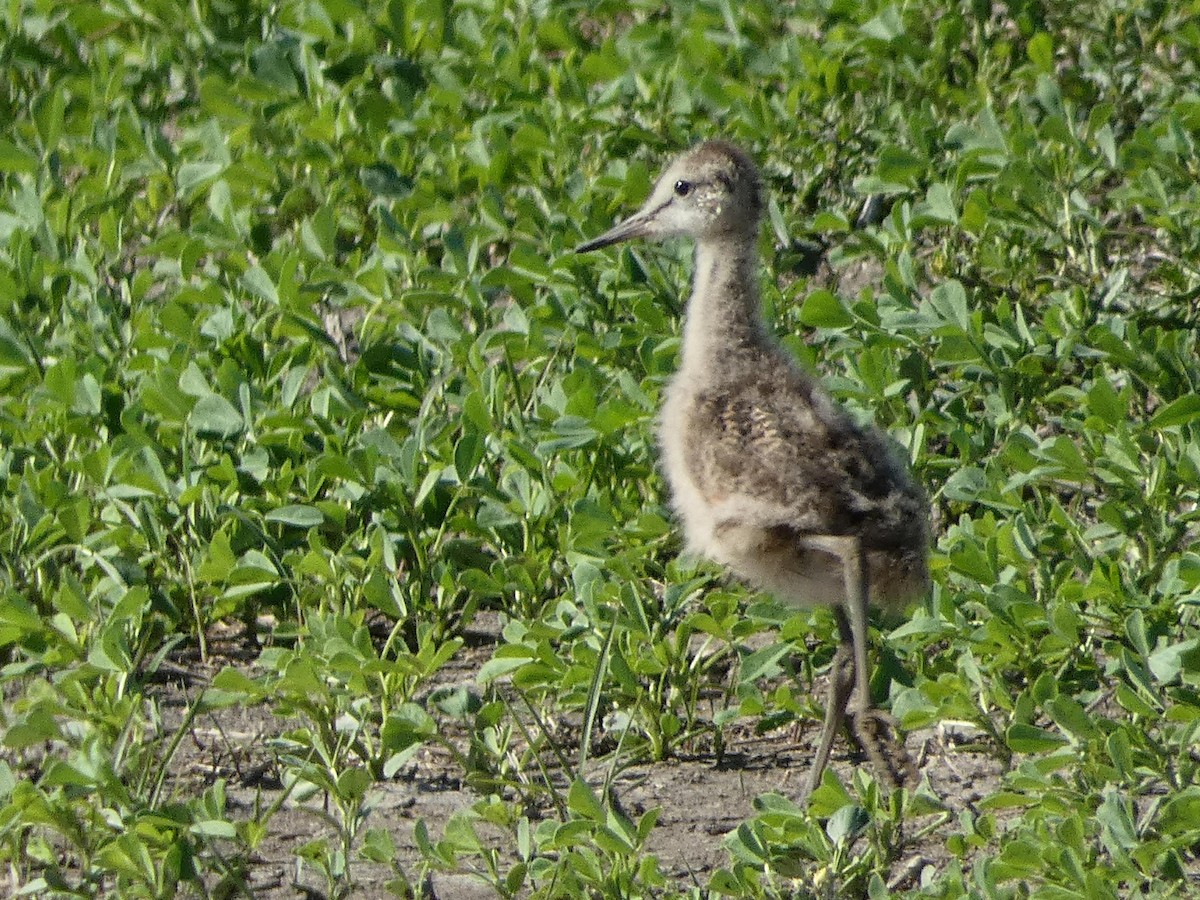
(695, 506)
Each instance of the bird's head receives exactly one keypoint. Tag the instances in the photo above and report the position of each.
(710, 192)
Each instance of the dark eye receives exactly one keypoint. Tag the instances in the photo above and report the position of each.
(683, 188)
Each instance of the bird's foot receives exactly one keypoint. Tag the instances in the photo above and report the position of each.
(876, 732)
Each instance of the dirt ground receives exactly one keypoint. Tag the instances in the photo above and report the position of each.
(701, 799)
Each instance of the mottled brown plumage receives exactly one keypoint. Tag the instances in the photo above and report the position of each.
(769, 475)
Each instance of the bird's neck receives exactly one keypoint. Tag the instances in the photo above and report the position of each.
(724, 313)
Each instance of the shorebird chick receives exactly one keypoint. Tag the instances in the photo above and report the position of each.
(768, 474)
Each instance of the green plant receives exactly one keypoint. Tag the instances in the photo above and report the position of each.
(328, 473)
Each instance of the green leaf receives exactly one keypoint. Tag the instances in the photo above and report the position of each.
(571, 433)
(214, 415)
(1120, 751)
(1041, 51)
(1105, 403)
(15, 159)
(899, 167)
(299, 515)
(353, 782)
(193, 174)
(887, 26)
(1169, 661)
(764, 663)
(259, 283)
(14, 356)
(1071, 717)
(1181, 813)
(35, 727)
(468, 453)
(949, 301)
(1180, 412)
(213, 828)
(378, 846)
(939, 204)
(1023, 738)
(846, 824)
(1116, 822)
(584, 803)
(823, 309)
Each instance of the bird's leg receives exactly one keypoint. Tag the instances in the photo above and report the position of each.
(873, 728)
(849, 667)
(841, 683)
(854, 573)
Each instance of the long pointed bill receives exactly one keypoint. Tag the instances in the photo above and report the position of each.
(635, 226)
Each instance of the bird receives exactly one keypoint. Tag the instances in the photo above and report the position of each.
(768, 475)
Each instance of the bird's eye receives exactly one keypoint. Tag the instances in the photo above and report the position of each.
(683, 188)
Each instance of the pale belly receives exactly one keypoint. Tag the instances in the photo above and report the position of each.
(696, 514)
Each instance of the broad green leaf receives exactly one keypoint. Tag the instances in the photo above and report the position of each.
(193, 174)
(583, 802)
(846, 824)
(214, 828)
(823, 309)
(214, 415)
(1169, 661)
(949, 301)
(1181, 813)
(259, 283)
(15, 159)
(14, 356)
(764, 663)
(1180, 412)
(468, 453)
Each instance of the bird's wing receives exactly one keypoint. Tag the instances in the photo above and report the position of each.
(782, 454)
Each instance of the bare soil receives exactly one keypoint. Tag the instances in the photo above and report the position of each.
(702, 798)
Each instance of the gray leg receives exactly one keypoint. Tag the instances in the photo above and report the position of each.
(850, 668)
(873, 729)
(854, 571)
(841, 683)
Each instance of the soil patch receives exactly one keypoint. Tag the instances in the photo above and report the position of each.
(702, 798)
